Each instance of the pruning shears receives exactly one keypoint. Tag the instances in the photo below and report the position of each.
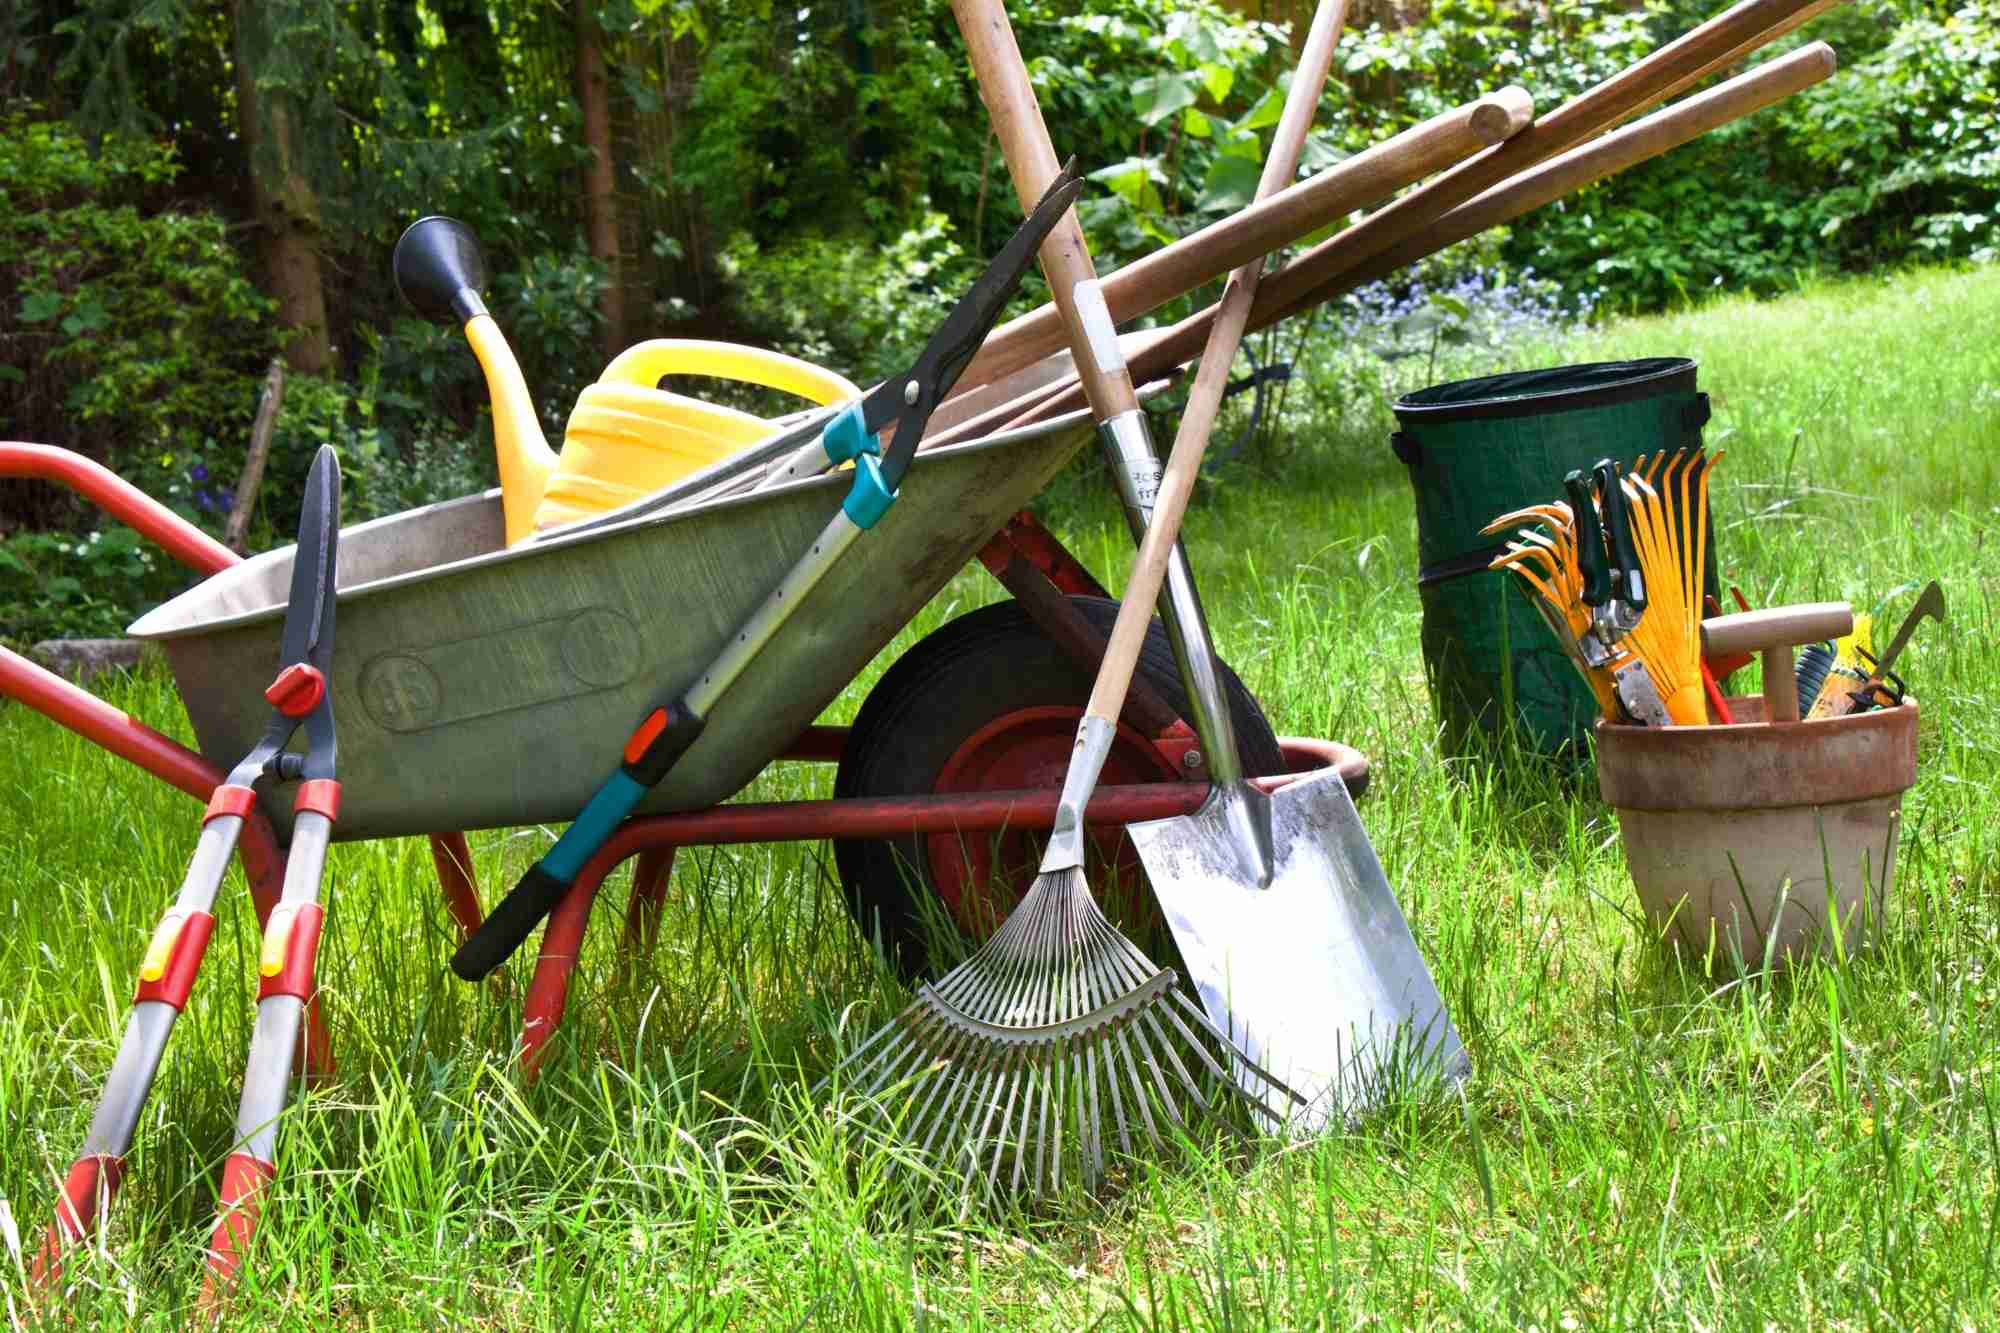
(1613, 586)
(300, 700)
(899, 407)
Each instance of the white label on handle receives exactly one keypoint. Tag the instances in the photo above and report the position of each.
(1098, 328)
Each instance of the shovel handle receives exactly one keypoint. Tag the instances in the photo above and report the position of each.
(1031, 160)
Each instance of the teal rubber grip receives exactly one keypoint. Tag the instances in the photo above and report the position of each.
(847, 436)
(869, 497)
(598, 820)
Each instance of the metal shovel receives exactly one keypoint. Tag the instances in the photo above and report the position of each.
(1285, 921)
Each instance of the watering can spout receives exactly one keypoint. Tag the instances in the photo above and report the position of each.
(439, 271)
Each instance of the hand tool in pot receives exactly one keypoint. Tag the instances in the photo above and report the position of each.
(1884, 688)
(1772, 633)
(1614, 588)
(901, 405)
(299, 699)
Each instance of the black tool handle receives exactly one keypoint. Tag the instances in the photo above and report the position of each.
(1590, 561)
(1628, 583)
(660, 741)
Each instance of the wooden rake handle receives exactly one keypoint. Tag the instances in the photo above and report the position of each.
(1149, 569)
(1031, 159)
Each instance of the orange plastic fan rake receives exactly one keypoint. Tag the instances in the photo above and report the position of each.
(1670, 540)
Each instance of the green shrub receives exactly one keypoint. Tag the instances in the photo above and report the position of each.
(1908, 144)
(132, 336)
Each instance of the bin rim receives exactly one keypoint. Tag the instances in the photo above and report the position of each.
(1614, 382)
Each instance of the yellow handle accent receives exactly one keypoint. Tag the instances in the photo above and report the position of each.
(644, 363)
(525, 457)
(277, 939)
(160, 949)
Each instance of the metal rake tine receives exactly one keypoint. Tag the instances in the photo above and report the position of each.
(1140, 1029)
(962, 1071)
(989, 1099)
(872, 1076)
(1022, 1133)
(1015, 1086)
(1237, 1053)
(901, 1060)
(1042, 1130)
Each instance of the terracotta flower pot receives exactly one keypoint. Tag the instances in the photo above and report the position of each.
(1742, 840)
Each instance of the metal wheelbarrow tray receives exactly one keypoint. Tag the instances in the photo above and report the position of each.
(478, 686)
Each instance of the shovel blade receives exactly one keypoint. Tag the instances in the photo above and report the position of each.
(1294, 941)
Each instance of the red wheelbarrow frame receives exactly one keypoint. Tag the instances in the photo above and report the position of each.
(1024, 556)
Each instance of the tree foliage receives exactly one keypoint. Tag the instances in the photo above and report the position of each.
(817, 175)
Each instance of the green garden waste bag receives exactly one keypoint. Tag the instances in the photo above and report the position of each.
(1476, 449)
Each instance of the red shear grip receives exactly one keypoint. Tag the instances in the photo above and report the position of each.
(230, 799)
(91, 1183)
(177, 983)
(241, 1203)
(321, 796)
(301, 949)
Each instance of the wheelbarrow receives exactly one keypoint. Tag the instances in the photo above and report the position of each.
(482, 674)
(458, 655)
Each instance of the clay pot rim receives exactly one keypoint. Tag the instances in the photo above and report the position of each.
(1759, 766)
(1633, 733)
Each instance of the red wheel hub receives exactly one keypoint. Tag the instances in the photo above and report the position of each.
(981, 877)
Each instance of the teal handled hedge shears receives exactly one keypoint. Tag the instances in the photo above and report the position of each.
(902, 405)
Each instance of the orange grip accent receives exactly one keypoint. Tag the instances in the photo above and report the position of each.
(648, 732)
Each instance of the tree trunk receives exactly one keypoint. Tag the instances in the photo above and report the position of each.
(600, 205)
(287, 207)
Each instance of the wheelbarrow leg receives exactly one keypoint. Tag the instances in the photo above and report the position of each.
(453, 860)
(650, 874)
(286, 966)
(562, 944)
(166, 978)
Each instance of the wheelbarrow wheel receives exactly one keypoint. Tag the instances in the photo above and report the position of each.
(989, 702)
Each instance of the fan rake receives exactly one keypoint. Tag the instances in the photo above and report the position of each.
(1055, 1026)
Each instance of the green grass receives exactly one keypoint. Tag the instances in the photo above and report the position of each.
(1637, 1145)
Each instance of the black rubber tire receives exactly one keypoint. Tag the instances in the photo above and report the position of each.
(954, 681)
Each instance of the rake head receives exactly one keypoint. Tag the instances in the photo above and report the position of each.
(1011, 1065)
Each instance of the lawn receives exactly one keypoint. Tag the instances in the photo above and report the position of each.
(1637, 1144)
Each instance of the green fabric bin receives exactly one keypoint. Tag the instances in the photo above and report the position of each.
(1476, 449)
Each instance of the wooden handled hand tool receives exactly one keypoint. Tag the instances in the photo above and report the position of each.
(1773, 632)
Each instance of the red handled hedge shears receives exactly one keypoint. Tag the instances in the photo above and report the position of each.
(299, 700)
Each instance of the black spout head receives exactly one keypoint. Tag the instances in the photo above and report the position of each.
(439, 270)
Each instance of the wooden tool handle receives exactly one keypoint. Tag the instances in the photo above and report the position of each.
(1775, 627)
(1149, 570)
(1031, 160)
(1773, 632)
(1272, 222)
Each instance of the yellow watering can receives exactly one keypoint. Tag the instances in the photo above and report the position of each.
(625, 438)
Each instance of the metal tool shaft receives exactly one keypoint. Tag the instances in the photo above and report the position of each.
(1128, 448)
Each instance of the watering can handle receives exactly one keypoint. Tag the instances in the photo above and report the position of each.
(644, 363)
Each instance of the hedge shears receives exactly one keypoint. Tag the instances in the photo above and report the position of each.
(300, 700)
